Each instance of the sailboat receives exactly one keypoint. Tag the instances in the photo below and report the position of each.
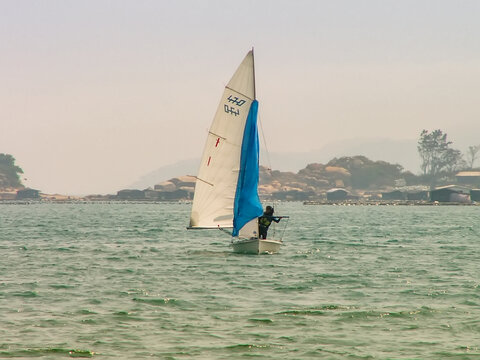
(226, 189)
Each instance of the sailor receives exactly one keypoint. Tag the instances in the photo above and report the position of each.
(265, 220)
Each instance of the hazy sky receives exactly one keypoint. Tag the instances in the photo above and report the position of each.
(94, 94)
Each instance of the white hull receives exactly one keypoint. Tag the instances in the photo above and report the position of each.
(256, 246)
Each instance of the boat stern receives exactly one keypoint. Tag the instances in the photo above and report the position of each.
(256, 246)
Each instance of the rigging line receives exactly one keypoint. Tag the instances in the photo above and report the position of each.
(267, 153)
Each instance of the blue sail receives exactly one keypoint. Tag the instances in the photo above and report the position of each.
(247, 205)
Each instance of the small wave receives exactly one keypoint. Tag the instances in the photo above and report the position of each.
(303, 312)
(365, 314)
(301, 256)
(469, 303)
(61, 286)
(468, 348)
(86, 312)
(338, 307)
(343, 354)
(114, 258)
(64, 249)
(294, 288)
(243, 347)
(158, 302)
(25, 294)
(127, 316)
(121, 313)
(321, 310)
(209, 253)
(47, 351)
(262, 321)
(329, 276)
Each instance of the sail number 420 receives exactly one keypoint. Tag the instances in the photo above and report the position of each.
(236, 101)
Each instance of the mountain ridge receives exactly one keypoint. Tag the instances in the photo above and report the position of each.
(402, 152)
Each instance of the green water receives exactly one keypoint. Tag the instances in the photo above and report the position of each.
(127, 281)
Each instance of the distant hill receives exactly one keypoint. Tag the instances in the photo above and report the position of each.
(356, 176)
(356, 173)
(185, 167)
(402, 152)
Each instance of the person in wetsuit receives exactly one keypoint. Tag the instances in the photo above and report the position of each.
(265, 220)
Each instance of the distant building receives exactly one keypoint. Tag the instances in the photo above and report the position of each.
(8, 195)
(468, 177)
(475, 194)
(450, 193)
(184, 181)
(28, 194)
(151, 194)
(417, 192)
(166, 186)
(130, 194)
(176, 195)
(394, 195)
(413, 193)
(292, 195)
(337, 194)
(179, 188)
(418, 195)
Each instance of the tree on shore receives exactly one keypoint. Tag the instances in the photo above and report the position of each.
(9, 172)
(472, 155)
(437, 156)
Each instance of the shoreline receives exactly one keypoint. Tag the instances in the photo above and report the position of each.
(388, 203)
(187, 202)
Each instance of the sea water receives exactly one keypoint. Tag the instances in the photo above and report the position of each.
(128, 281)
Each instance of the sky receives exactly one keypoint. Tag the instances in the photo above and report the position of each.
(96, 93)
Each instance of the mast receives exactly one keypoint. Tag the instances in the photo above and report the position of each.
(254, 84)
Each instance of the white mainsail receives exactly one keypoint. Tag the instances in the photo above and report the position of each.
(213, 203)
